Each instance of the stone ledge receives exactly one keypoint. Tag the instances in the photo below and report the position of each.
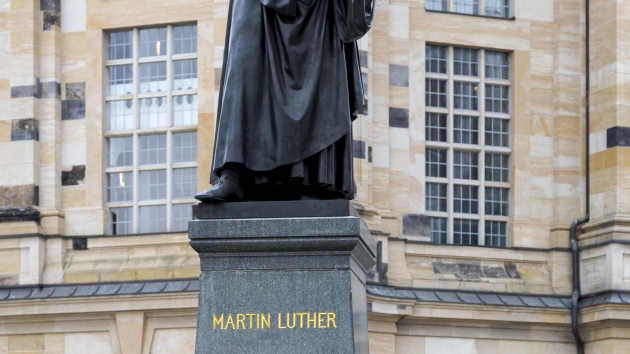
(19, 214)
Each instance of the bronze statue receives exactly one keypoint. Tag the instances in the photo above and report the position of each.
(290, 89)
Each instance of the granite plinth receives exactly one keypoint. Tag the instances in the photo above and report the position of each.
(283, 284)
(284, 209)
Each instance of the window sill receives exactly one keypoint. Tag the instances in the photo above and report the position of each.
(472, 15)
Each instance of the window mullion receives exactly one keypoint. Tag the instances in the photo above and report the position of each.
(169, 134)
(136, 126)
(482, 153)
(450, 124)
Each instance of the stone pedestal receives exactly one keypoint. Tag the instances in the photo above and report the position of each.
(282, 277)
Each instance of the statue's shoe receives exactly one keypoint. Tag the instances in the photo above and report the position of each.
(226, 189)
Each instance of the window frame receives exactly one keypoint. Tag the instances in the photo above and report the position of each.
(481, 148)
(136, 132)
(481, 8)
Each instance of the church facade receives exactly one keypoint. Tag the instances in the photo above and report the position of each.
(470, 161)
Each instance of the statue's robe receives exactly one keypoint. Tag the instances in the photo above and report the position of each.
(290, 89)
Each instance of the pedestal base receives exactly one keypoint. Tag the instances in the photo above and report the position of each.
(283, 285)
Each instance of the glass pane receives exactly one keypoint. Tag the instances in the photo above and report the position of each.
(439, 230)
(466, 232)
(182, 214)
(153, 77)
(466, 95)
(185, 110)
(436, 93)
(153, 185)
(436, 59)
(152, 219)
(120, 152)
(121, 221)
(153, 112)
(436, 163)
(466, 61)
(184, 39)
(497, 8)
(466, 6)
(119, 45)
(119, 80)
(119, 115)
(152, 149)
(437, 5)
(185, 74)
(436, 127)
(466, 130)
(185, 147)
(153, 42)
(119, 187)
(184, 182)
(497, 65)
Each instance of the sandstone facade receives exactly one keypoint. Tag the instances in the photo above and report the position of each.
(68, 286)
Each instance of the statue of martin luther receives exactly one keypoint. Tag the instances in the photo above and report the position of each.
(290, 89)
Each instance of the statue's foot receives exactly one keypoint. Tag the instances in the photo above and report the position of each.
(226, 189)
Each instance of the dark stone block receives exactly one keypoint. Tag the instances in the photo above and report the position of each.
(369, 154)
(363, 58)
(73, 177)
(512, 272)
(24, 129)
(358, 149)
(79, 243)
(51, 18)
(445, 268)
(617, 136)
(416, 225)
(398, 117)
(17, 199)
(399, 75)
(469, 272)
(73, 109)
(25, 91)
(75, 91)
(217, 79)
(364, 80)
(18, 214)
(494, 272)
(285, 209)
(51, 89)
(50, 5)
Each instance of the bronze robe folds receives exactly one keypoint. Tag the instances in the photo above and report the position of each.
(290, 86)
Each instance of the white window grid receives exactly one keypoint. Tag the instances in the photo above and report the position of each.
(466, 232)
(466, 165)
(497, 168)
(497, 132)
(491, 8)
(466, 130)
(497, 98)
(437, 197)
(436, 127)
(436, 93)
(496, 233)
(484, 134)
(497, 201)
(465, 95)
(153, 77)
(124, 120)
(436, 59)
(439, 232)
(466, 199)
(466, 62)
(437, 163)
(497, 65)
